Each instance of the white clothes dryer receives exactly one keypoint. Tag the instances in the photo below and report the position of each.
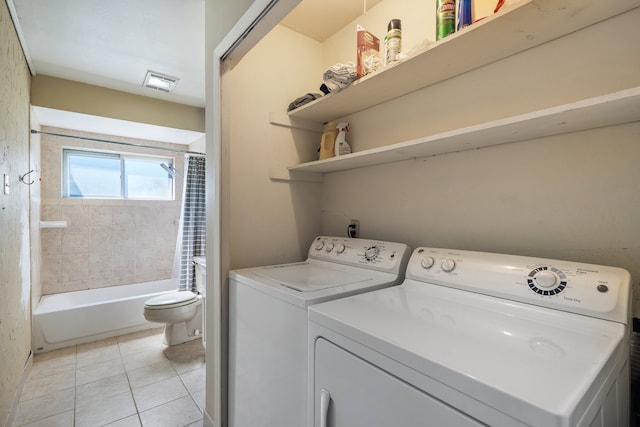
(268, 322)
(474, 339)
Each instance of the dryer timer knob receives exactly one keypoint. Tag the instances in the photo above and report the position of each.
(545, 279)
(448, 265)
(371, 253)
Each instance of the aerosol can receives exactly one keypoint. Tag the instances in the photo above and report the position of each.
(445, 18)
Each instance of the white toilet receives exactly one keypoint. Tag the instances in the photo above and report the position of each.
(181, 311)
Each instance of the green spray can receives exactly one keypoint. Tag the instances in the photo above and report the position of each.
(445, 18)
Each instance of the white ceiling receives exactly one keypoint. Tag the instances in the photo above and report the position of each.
(112, 43)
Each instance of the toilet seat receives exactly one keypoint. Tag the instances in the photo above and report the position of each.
(171, 300)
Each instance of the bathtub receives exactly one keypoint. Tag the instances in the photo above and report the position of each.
(70, 318)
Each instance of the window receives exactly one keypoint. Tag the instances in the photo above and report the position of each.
(105, 175)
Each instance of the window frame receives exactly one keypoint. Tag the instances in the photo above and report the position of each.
(122, 156)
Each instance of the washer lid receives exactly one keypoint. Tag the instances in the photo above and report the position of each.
(535, 364)
(171, 299)
(305, 277)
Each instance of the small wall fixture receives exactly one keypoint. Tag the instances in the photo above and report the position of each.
(159, 81)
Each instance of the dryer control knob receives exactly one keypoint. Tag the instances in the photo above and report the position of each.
(427, 262)
(448, 265)
(319, 246)
(329, 247)
(545, 279)
(341, 248)
(371, 253)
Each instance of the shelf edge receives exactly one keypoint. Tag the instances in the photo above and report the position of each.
(284, 120)
(286, 175)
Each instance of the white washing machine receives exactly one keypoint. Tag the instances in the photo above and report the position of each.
(268, 322)
(473, 339)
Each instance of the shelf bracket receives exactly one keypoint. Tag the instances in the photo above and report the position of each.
(286, 175)
(284, 120)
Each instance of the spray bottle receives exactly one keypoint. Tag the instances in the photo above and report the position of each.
(341, 146)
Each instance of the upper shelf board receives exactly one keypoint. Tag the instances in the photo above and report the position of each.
(525, 24)
(607, 110)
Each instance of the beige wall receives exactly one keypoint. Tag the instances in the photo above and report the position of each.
(107, 242)
(15, 310)
(66, 95)
(271, 222)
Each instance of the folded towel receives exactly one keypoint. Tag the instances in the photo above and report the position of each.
(303, 100)
(339, 76)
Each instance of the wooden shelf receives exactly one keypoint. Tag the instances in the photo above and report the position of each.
(607, 110)
(521, 26)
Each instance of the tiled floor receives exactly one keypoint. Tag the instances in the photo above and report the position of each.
(132, 380)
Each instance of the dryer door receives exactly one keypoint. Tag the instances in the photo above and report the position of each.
(349, 392)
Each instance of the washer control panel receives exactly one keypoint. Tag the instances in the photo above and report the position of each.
(375, 254)
(594, 290)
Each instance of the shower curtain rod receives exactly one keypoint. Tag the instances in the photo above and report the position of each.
(130, 144)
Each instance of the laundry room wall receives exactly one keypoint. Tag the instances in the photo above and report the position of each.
(271, 222)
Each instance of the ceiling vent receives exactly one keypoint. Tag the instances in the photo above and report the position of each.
(159, 81)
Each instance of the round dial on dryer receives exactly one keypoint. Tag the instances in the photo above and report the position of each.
(371, 253)
(319, 246)
(329, 247)
(341, 248)
(546, 280)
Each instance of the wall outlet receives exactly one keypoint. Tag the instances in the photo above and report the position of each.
(6, 186)
(353, 230)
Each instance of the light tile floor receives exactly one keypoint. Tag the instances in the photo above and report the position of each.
(132, 380)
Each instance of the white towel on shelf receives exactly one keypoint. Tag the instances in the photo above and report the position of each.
(339, 76)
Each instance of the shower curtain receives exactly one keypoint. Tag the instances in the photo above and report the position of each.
(192, 231)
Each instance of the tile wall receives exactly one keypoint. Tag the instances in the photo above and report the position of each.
(106, 242)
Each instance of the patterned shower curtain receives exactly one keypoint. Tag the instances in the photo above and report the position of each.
(192, 233)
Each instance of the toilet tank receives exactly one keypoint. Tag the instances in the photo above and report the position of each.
(201, 273)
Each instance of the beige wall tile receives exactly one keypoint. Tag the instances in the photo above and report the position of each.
(50, 212)
(51, 273)
(75, 215)
(123, 216)
(75, 268)
(100, 241)
(75, 240)
(100, 215)
(51, 241)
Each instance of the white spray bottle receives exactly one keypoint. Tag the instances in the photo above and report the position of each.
(341, 147)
